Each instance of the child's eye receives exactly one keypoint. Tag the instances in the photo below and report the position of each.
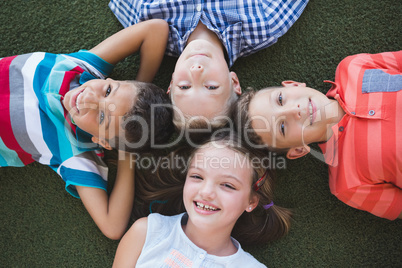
(227, 185)
(282, 126)
(184, 87)
(101, 117)
(280, 99)
(108, 90)
(196, 177)
(212, 87)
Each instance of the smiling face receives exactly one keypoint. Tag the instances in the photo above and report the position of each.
(98, 106)
(292, 116)
(218, 188)
(201, 83)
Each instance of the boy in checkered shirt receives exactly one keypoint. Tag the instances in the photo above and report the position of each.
(208, 37)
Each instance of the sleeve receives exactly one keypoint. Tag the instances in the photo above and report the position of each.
(92, 63)
(86, 169)
(128, 12)
(383, 200)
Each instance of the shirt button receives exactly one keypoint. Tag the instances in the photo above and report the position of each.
(199, 7)
(353, 113)
(371, 112)
(341, 129)
(202, 256)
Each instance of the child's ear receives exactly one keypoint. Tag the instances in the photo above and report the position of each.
(297, 152)
(235, 83)
(290, 83)
(170, 85)
(253, 203)
(102, 143)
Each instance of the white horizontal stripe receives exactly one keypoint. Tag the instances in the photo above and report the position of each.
(31, 104)
(84, 164)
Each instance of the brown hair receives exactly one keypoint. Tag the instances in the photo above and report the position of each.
(242, 119)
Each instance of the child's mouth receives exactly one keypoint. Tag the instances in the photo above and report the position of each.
(77, 101)
(312, 111)
(205, 207)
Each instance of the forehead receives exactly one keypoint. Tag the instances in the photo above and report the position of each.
(123, 98)
(208, 106)
(260, 107)
(118, 104)
(262, 115)
(219, 156)
(222, 162)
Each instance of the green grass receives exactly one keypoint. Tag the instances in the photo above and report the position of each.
(42, 226)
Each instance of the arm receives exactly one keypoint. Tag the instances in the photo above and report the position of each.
(131, 245)
(148, 37)
(112, 213)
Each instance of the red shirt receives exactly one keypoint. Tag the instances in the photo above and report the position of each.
(365, 152)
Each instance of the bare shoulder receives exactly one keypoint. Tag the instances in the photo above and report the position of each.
(131, 244)
(139, 228)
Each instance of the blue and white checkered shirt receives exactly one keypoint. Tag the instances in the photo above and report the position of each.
(243, 26)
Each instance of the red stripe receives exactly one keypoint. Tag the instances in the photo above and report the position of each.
(68, 77)
(388, 146)
(398, 56)
(65, 87)
(6, 131)
(388, 150)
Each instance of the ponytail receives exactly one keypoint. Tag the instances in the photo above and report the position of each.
(261, 226)
(267, 222)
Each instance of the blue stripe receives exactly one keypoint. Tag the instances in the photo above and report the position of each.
(49, 130)
(10, 155)
(100, 64)
(74, 177)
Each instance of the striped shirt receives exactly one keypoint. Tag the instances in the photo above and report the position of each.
(365, 152)
(243, 26)
(34, 124)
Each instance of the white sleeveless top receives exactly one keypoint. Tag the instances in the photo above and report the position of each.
(167, 245)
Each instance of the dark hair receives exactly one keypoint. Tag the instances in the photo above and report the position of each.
(150, 121)
(259, 226)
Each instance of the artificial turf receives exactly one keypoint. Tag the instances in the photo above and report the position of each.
(43, 226)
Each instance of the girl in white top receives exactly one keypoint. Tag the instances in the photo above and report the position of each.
(226, 192)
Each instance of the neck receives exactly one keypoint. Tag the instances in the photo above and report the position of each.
(333, 114)
(202, 32)
(214, 242)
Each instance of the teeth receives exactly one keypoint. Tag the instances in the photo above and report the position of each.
(310, 108)
(205, 207)
(78, 101)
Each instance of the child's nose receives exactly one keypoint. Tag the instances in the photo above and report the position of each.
(294, 111)
(197, 67)
(90, 99)
(207, 191)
